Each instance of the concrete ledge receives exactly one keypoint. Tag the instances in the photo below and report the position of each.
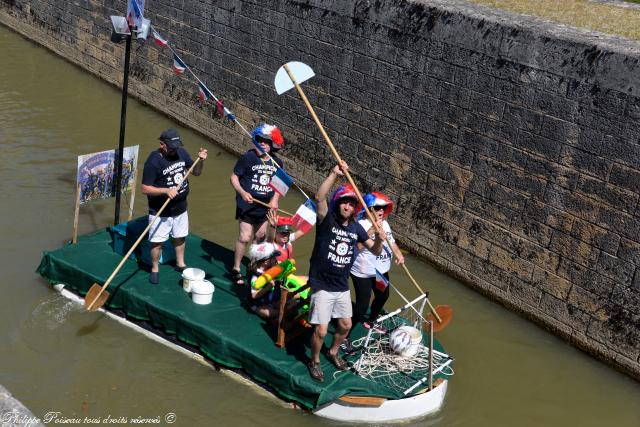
(13, 413)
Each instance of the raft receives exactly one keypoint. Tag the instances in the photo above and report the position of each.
(226, 332)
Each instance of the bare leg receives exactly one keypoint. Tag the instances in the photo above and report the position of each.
(156, 251)
(179, 245)
(342, 329)
(245, 230)
(317, 340)
(260, 231)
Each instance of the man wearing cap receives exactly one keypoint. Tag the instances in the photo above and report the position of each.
(333, 254)
(250, 178)
(162, 177)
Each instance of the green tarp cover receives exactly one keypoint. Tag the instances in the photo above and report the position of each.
(225, 331)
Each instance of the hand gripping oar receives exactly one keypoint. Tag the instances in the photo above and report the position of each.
(97, 296)
(290, 75)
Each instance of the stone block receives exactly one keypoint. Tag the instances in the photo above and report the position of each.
(596, 236)
(564, 313)
(573, 249)
(615, 268)
(551, 284)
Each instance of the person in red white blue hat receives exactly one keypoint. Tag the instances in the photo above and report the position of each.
(250, 178)
(337, 234)
(363, 271)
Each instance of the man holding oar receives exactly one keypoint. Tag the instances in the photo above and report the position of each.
(162, 176)
(250, 178)
(337, 233)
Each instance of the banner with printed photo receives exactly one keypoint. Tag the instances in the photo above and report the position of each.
(97, 173)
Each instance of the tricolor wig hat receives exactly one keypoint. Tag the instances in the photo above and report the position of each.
(376, 199)
(262, 251)
(270, 133)
(345, 191)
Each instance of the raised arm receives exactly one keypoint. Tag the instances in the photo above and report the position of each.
(322, 205)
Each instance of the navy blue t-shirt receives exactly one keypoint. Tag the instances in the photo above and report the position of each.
(160, 171)
(334, 253)
(254, 176)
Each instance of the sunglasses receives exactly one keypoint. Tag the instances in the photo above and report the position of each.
(378, 208)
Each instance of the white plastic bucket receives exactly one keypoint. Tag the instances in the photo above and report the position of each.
(191, 275)
(416, 341)
(202, 292)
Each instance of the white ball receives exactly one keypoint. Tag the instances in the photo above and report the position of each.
(399, 340)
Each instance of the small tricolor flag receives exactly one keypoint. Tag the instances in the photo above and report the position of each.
(305, 217)
(158, 39)
(229, 114)
(135, 12)
(178, 65)
(220, 108)
(281, 182)
(381, 282)
(203, 92)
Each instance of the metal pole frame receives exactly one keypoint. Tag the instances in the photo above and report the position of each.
(123, 121)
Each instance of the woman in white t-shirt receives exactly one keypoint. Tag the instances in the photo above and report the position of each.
(363, 272)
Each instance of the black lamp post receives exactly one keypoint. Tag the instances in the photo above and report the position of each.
(123, 32)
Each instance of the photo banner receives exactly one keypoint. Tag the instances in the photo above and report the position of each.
(97, 173)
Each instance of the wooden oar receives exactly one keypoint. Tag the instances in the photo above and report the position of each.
(97, 296)
(266, 205)
(347, 174)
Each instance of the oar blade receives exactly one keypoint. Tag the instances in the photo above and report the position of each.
(301, 73)
(445, 312)
(94, 298)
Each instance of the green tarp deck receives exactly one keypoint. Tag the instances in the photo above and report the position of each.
(225, 331)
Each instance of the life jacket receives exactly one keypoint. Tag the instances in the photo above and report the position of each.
(286, 251)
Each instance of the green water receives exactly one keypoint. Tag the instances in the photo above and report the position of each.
(56, 358)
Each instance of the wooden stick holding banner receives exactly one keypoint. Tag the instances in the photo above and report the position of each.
(298, 72)
(266, 205)
(74, 236)
(134, 178)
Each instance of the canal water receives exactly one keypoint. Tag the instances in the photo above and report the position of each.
(55, 357)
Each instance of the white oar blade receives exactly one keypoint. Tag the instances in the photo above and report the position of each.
(301, 73)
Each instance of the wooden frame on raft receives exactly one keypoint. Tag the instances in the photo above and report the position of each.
(291, 323)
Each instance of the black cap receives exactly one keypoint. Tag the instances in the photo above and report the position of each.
(171, 137)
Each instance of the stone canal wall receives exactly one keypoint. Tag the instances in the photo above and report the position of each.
(510, 145)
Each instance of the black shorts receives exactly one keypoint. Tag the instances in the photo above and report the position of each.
(251, 216)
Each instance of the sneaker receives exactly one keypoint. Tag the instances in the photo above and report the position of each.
(315, 370)
(154, 278)
(375, 327)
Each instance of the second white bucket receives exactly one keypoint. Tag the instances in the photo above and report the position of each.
(202, 292)
(191, 275)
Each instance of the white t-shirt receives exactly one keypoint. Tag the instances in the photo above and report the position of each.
(366, 262)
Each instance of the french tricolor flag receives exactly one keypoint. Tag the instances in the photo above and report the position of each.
(158, 39)
(178, 65)
(281, 182)
(381, 282)
(305, 217)
(203, 92)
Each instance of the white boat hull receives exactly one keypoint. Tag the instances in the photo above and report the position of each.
(391, 410)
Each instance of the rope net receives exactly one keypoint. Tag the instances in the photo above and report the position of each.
(379, 357)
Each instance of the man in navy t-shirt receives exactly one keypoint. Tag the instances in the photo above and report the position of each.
(333, 254)
(250, 178)
(162, 177)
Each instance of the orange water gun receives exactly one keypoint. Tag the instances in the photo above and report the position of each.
(277, 272)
